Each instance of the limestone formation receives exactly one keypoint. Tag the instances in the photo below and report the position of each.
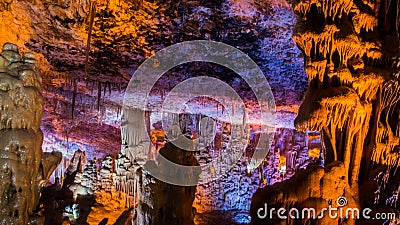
(24, 169)
(354, 91)
(86, 181)
(106, 174)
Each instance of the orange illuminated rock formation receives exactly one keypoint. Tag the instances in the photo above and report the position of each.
(351, 56)
(353, 87)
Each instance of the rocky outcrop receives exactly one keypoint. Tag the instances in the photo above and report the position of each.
(23, 167)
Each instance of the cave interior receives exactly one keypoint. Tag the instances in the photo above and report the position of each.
(285, 104)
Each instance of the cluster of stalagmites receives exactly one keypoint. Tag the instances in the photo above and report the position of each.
(24, 168)
(296, 148)
(91, 179)
(121, 184)
(351, 51)
(86, 178)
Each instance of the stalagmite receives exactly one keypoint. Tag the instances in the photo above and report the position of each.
(24, 169)
(154, 200)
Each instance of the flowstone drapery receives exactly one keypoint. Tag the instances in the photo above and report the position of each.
(352, 83)
(24, 168)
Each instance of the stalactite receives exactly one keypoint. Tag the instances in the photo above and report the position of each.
(316, 70)
(337, 108)
(92, 14)
(386, 142)
(348, 48)
(74, 98)
(340, 110)
(98, 95)
(367, 86)
(360, 118)
(330, 8)
(373, 51)
(345, 76)
(324, 42)
(358, 103)
(364, 21)
(92, 86)
(109, 88)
